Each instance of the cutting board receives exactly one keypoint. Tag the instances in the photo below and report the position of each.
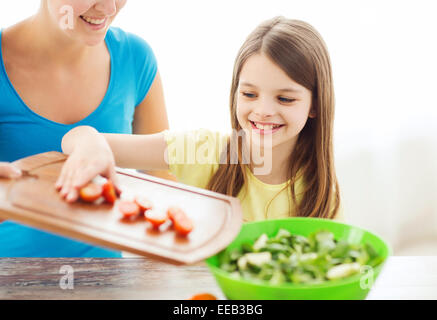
(33, 200)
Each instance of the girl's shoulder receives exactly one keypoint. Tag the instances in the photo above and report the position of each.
(194, 156)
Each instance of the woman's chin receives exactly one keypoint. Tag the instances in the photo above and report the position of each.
(92, 41)
(92, 38)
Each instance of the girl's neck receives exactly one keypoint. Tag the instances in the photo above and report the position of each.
(274, 167)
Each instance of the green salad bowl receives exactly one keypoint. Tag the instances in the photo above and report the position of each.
(354, 287)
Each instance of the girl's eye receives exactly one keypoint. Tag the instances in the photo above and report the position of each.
(286, 100)
(249, 95)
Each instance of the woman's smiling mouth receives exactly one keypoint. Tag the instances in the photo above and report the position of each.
(95, 23)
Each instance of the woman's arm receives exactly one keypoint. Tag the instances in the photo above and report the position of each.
(151, 117)
(92, 153)
(151, 114)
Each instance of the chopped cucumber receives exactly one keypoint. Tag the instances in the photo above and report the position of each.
(298, 259)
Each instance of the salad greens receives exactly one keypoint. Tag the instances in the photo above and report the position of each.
(294, 258)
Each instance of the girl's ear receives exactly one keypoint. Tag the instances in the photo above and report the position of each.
(312, 114)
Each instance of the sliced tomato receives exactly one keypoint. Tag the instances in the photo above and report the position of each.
(174, 212)
(109, 192)
(129, 209)
(203, 296)
(117, 191)
(183, 226)
(181, 222)
(91, 192)
(144, 203)
(156, 218)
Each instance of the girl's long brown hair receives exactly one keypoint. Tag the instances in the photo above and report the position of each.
(298, 49)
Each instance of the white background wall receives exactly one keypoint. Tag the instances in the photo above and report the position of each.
(384, 63)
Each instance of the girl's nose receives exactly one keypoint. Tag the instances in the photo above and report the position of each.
(264, 108)
(108, 7)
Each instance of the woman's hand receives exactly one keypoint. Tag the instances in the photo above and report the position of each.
(8, 170)
(90, 155)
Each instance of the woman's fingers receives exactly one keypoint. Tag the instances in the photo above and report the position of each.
(8, 170)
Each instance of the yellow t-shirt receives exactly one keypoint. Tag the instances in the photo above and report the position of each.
(193, 158)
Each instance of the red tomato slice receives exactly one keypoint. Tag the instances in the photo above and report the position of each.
(203, 296)
(109, 192)
(129, 209)
(143, 203)
(117, 191)
(182, 224)
(174, 212)
(155, 218)
(91, 192)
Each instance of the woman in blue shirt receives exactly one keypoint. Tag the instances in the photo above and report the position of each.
(63, 67)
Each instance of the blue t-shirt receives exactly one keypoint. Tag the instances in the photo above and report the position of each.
(24, 133)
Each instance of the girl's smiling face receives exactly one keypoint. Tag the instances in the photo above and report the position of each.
(271, 104)
(84, 20)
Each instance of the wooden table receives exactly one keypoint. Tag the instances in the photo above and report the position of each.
(405, 278)
(138, 278)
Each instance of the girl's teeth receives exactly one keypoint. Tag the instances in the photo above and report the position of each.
(93, 21)
(266, 127)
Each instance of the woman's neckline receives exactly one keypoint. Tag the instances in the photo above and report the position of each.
(40, 117)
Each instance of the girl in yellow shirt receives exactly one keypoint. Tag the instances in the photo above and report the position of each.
(278, 160)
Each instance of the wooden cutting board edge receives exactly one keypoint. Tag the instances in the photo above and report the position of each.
(52, 224)
(108, 240)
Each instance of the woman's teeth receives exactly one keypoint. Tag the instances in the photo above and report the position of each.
(93, 21)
